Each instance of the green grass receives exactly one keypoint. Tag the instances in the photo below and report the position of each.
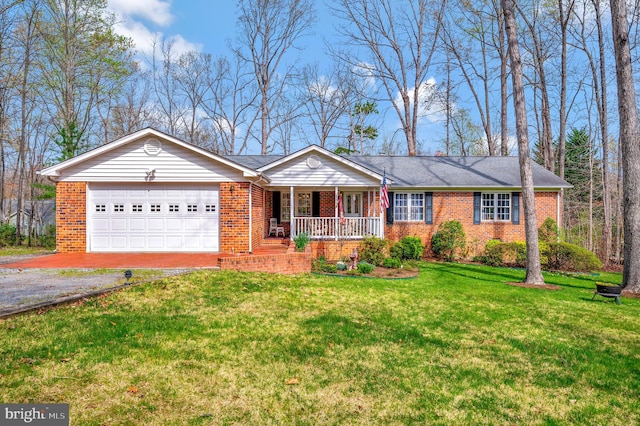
(454, 346)
(23, 250)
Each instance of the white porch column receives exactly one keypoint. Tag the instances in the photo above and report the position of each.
(335, 216)
(292, 222)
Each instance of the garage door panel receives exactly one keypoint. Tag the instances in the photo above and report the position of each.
(118, 224)
(155, 224)
(118, 242)
(137, 225)
(137, 242)
(153, 217)
(174, 224)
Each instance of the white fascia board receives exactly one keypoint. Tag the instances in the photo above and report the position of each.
(316, 148)
(55, 170)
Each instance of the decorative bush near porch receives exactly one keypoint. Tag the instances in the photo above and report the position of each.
(454, 346)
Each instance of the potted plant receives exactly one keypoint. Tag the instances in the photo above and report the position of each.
(301, 240)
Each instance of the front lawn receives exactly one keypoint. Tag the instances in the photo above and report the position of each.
(453, 346)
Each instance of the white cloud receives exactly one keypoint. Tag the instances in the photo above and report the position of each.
(431, 106)
(133, 16)
(156, 11)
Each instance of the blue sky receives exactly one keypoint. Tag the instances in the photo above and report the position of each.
(207, 25)
(202, 25)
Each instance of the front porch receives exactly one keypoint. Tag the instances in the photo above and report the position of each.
(337, 228)
(336, 214)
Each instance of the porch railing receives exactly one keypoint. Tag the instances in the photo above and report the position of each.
(335, 228)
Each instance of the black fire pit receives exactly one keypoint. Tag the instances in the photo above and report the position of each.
(608, 290)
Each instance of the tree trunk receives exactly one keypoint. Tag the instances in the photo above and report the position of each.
(630, 146)
(533, 268)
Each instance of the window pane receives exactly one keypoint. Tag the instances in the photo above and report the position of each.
(488, 207)
(285, 207)
(401, 207)
(504, 207)
(304, 204)
(417, 207)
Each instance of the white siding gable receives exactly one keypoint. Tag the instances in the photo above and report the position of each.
(330, 172)
(130, 163)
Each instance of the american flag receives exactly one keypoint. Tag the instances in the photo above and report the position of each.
(384, 193)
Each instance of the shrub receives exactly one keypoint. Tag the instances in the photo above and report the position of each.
(549, 231)
(7, 234)
(396, 251)
(365, 267)
(373, 250)
(408, 248)
(48, 238)
(321, 265)
(492, 254)
(449, 240)
(341, 266)
(569, 257)
(497, 253)
(392, 262)
(301, 240)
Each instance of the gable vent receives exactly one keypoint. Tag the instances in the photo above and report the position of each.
(153, 147)
(313, 162)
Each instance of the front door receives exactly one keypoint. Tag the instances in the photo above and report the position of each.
(353, 204)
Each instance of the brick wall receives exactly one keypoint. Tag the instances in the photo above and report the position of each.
(459, 206)
(71, 217)
(234, 217)
(327, 204)
(290, 263)
(333, 250)
(258, 215)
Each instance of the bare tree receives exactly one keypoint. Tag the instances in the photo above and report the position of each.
(83, 56)
(629, 140)
(230, 108)
(269, 29)
(474, 47)
(533, 267)
(192, 76)
(400, 39)
(327, 99)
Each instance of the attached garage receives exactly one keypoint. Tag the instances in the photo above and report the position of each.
(153, 217)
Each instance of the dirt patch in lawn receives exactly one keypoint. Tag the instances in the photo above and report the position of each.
(538, 286)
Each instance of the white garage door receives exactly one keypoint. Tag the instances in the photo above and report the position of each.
(153, 218)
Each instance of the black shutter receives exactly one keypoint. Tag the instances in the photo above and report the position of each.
(390, 209)
(315, 204)
(477, 201)
(276, 210)
(428, 207)
(515, 208)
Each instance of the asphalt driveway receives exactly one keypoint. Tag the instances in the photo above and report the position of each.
(24, 288)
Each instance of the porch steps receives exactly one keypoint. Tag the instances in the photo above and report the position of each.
(271, 241)
(275, 257)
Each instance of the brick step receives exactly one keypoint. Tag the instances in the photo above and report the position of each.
(275, 241)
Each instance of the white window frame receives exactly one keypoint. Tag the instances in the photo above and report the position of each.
(495, 207)
(303, 204)
(408, 207)
(285, 207)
